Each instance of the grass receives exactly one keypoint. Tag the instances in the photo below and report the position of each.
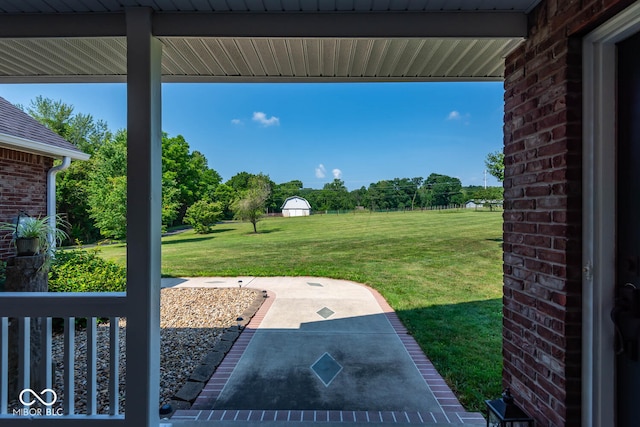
(440, 270)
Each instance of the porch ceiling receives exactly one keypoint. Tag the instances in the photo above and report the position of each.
(265, 40)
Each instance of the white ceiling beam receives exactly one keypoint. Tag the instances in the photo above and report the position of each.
(276, 25)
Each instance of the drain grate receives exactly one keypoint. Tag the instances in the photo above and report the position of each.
(326, 368)
(319, 285)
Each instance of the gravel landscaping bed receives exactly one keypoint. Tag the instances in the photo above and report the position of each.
(192, 321)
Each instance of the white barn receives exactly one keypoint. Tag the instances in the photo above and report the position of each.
(296, 206)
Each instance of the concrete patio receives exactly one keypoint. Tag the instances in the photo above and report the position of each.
(322, 351)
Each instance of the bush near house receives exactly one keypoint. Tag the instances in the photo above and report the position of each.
(80, 271)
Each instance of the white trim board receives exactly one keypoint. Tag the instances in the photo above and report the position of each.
(599, 169)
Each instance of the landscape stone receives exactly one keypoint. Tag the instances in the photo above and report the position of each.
(224, 346)
(203, 372)
(212, 358)
(189, 391)
(230, 335)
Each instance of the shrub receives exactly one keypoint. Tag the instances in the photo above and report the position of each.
(85, 271)
(203, 215)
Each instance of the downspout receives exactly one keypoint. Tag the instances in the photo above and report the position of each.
(51, 196)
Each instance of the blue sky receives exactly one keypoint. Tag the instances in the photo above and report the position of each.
(360, 132)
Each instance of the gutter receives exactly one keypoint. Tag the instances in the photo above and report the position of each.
(51, 196)
(29, 146)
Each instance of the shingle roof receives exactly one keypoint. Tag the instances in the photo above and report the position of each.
(18, 124)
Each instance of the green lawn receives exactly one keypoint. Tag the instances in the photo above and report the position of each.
(440, 270)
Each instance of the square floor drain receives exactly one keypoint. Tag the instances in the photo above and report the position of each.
(326, 368)
(325, 312)
(315, 284)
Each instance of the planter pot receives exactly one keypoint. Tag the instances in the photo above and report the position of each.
(27, 247)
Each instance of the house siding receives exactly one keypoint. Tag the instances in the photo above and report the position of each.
(23, 187)
(543, 210)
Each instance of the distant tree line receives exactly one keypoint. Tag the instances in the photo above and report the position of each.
(92, 194)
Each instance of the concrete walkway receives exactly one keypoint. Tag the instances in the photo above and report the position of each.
(322, 351)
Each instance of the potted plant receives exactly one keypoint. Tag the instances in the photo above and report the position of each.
(31, 235)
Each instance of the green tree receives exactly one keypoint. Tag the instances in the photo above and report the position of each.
(203, 215)
(56, 115)
(359, 196)
(188, 172)
(380, 195)
(72, 200)
(495, 164)
(335, 196)
(107, 188)
(252, 204)
(71, 189)
(110, 213)
(170, 201)
(313, 196)
(240, 181)
(442, 190)
(225, 196)
(415, 187)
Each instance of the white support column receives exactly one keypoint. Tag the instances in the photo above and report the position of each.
(144, 181)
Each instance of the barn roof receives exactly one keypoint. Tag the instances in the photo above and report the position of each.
(304, 201)
(19, 131)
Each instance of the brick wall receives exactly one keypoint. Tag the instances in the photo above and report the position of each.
(23, 187)
(542, 218)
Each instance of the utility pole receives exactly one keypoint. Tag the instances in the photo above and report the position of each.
(485, 179)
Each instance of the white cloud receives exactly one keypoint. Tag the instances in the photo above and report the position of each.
(454, 115)
(321, 172)
(337, 173)
(236, 121)
(261, 118)
(457, 116)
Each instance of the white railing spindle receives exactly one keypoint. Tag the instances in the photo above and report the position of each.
(91, 366)
(24, 356)
(46, 372)
(69, 364)
(114, 365)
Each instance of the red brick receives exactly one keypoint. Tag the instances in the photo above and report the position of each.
(543, 138)
(537, 241)
(538, 191)
(23, 179)
(552, 256)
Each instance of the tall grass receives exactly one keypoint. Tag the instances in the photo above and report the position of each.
(440, 270)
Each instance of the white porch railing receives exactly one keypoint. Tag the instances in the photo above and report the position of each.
(23, 307)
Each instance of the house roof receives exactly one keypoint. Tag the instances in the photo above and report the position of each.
(265, 40)
(19, 131)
